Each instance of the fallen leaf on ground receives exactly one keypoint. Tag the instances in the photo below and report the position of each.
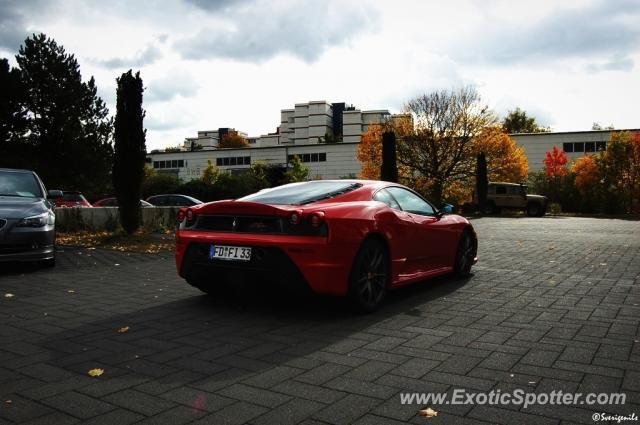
(123, 329)
(8, 401)
(8, 295)
(95, 372)
(71, 291)
(428, 412)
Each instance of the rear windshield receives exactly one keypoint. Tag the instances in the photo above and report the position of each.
(301, 193)
(19, 184)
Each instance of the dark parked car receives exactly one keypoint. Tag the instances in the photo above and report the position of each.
(72, 199)
(173, 200)
(113, 202)
(27, 218)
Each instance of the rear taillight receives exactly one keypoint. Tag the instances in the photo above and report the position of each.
(180, 216)
(316, 219)
(190, 216)
(295, 217)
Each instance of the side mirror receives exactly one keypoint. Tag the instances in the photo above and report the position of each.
(54, 194)
(446, 208)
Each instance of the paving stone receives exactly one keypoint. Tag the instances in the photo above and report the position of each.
(347, 410)
(78, 405)
(529, 317)
(257, 396)
(291, 413)
(309, 392)
(139, 402)
(235, 414)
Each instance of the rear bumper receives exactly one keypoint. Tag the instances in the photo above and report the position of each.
(302, 263)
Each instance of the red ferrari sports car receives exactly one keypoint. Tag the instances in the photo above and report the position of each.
(357, 238)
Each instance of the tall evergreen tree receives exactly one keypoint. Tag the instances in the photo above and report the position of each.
(389, 168)
(13, 117)
(482, 182)
(68, 125)
(130, 149)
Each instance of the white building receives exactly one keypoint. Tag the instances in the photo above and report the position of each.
(574, 143)
(324, 135)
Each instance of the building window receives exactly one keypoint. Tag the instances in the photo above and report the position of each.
(590, 147)
(309, 157)
(156, 164)
(600, 146)
(578, 147)
(233, 160)
(567, 147)
(181, 163)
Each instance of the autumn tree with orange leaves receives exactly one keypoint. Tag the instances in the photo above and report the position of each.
(586, 170)
(506, 161)
(233, 140)
(369, 152)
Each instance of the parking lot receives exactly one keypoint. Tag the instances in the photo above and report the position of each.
(554, 304)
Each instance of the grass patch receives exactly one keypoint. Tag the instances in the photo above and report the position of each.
(144, 242)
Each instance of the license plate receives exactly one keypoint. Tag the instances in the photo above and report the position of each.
(224, 252)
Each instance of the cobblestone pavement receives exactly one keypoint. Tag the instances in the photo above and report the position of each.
(553, 305)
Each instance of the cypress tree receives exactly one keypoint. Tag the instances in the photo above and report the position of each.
(130, 149)
(389, 170)
(482, 182)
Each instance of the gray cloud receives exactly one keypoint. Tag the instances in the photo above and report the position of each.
(169, 87)
(617, 63)
(603, 28)
(14, 28)
(145, 56)
(259, 30)
(216, 5)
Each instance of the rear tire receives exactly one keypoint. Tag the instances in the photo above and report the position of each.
(465, 255)
(369, 276)
(489, 208)
(48, 263)
(534, 209)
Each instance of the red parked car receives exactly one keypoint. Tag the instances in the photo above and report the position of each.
(357, 238)
(71, 199)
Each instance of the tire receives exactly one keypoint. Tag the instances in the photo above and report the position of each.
(534, 209)
(489, 208)
(369, 276)
(465, 255)
(48, 263)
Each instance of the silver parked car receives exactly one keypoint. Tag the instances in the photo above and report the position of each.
(27, 218)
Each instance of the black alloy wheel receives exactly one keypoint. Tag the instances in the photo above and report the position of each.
(465, 255)
(369, 276)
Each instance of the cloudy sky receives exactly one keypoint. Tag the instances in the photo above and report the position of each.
(225, 63)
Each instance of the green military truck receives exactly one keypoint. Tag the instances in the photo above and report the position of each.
(512, 196)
